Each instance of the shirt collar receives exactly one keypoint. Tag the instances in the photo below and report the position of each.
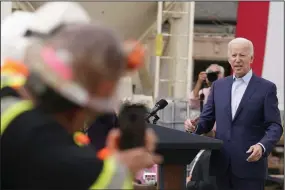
(246, 78)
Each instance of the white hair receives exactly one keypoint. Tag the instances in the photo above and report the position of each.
(222, 70)
(244, 41)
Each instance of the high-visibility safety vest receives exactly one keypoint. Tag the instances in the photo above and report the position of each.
(114, 175)
(12, 80)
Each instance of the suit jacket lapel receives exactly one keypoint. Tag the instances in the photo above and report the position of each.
(228, 96)
(250, 89)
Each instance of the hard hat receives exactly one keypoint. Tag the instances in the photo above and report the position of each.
(53, 64)
(13, 29)
(14, 40)
(53, 14)
(44, 20)
(13, 43)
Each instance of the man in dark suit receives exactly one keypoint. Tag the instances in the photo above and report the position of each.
(245, 109)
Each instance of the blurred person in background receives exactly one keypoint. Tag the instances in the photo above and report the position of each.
(48, 152)
(245, 109)
(203, 84)
(199, 95)
(98, 129)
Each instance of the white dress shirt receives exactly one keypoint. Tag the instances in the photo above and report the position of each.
(238, 88)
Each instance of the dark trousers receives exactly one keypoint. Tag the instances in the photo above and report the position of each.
(231, 182)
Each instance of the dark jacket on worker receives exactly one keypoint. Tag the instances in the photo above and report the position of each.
(38, 153)
(99, 129)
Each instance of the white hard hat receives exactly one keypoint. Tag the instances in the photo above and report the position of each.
(53, 14)
(47, 18)
(13, 28)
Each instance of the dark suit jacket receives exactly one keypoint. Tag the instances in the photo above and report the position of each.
(201, 180)
(257, 120)
(99, 129)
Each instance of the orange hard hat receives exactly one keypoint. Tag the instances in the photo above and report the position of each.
(13, 74)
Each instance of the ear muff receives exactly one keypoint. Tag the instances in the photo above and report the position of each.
(135, 55)
(15, 67)
(13, 74)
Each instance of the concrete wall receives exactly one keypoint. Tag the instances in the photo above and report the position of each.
(131, 19)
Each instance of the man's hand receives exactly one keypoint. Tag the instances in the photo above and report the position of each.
(190, 125)
(135, 159)
(188, 178)
(201, 78)
(256, 153)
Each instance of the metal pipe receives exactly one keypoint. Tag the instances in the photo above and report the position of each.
(157, 58)
(6, 9)
(149, 31)
(190, 66)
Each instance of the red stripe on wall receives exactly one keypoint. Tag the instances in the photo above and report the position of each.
(252, 20)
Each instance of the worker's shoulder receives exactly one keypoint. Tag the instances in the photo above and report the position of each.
(34, 119)
(32, 126)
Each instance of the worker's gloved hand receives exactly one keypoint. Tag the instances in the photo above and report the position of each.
(135, 159)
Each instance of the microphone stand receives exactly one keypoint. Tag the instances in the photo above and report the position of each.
(154, 121)
(147, 120)
(202, 97)
(156, 118)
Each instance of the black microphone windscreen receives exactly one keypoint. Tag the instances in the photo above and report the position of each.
(162, 103)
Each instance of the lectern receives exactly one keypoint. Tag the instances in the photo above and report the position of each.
(178, 149)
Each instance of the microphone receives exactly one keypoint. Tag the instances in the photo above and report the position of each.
(161, 104)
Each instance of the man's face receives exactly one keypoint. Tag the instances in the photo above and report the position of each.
(240, 58)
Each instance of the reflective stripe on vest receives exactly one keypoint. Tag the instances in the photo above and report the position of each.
(11, 107)
(12, 81)
(113, 176)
